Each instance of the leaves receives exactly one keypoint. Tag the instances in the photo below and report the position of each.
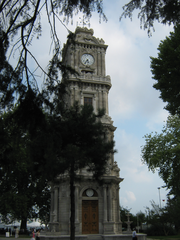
(162, 152)
(165, 12)
(166, 71)
(81, 137)
(24, 166)
(35, 151)
(20, 24)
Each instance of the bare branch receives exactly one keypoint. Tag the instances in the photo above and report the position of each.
(13, 21)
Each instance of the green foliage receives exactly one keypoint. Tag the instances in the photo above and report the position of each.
(37, 143)
(82, 133)
(23, 169)
(20, 24)
(39, 138)
(7, 76)
(166, 71)
(159, 222)
(81, 145)
(124, 218)
(163, 11)
(162, 152)
(172, 210)
(157, 230)
(141, 218)
(123, 213)
(31, 157)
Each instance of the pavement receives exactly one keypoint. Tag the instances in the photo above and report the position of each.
(13, 238)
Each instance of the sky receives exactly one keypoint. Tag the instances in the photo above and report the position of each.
(134, 105)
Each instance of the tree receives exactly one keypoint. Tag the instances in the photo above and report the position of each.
(162, 152)
(83, 147)
(7, 76)
(17, 191)
(159, 220)
(20, 24)
(165, 70)
(25, 168)
(172, 210)
(124, 212)
(25, 137)
(140, 219)
(163, 11)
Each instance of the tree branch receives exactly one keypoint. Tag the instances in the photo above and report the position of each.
(13, 21)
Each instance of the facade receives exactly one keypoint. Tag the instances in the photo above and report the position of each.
(97, 207)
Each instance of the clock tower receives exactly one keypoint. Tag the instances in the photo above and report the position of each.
(97, 208)
(87, 57)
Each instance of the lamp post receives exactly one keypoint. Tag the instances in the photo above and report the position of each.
(159, 197)
(137, 223)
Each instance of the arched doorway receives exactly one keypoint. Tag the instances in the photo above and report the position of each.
(90, 216)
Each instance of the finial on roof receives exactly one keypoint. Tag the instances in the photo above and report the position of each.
(84, 30)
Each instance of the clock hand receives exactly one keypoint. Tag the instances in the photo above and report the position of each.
(87, 61)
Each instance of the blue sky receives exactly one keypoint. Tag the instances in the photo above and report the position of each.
(134, 104)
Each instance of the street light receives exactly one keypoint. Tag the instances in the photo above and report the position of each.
(159, 197)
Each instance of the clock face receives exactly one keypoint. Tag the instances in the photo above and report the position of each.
(87, 59)
(89, 192)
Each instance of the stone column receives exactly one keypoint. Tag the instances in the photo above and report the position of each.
(110, 203)
(94, 103)
(52, 205)
(118, 209)
(75, 57)
(100, 98)
(72, 94)
(78, 57)
(107, 107)
(77, 203)
(72, 58)
(81, 100)
(99, 62)
(55, 204)
(103, 69)
(75, 93)
(105, 100)
(105, 202)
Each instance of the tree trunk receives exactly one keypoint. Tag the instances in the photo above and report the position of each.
(24, 224)
(72, 218)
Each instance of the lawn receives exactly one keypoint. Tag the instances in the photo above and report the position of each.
(174, 237)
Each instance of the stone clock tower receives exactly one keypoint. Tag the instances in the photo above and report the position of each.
(97, 207)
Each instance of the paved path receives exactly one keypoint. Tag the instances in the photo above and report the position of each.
(13, 238)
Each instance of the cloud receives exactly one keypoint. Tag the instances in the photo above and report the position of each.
(130, 197)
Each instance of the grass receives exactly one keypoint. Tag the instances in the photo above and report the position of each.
(175, 237)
